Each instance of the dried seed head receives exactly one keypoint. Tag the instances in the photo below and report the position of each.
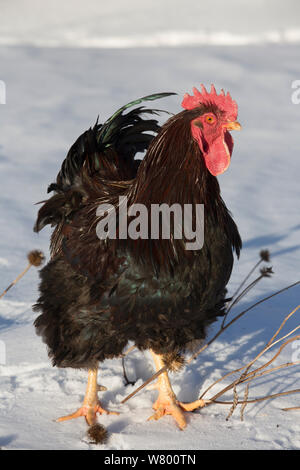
(265, 255)
(267, 271)
(97, 434)
(36, 257)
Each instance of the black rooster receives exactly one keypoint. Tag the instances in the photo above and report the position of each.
(98, 294)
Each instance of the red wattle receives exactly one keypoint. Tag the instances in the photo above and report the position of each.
(217, 155)
(217, 158)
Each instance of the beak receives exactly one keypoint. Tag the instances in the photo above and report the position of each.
(233, 126)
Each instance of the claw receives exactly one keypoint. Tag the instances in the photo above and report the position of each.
(168, 408)
(89, 412)
(91, 406)
(167, 403)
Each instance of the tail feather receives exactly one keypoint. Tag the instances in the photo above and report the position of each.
(126, 134)
(106, 150)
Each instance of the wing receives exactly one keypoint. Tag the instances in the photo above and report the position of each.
(106, 151)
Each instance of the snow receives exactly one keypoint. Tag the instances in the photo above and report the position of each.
(63, 65)
(97, 23)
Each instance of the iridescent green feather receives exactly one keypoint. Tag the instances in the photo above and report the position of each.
(109, 126)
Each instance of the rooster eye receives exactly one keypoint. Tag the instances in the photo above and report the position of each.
(210, 119)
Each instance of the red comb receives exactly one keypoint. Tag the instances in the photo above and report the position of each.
(224, 102)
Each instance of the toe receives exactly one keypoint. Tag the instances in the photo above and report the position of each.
(178, 415)
(160, 411)
(102, 411)
(89, 412)
(71, 416)
(172, 410)
(193, 405)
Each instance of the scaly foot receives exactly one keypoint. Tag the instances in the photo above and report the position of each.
(167, 403)
(91, 405)
(89, 412)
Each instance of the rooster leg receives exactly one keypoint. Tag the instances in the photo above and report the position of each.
(167, 403)
(91, 405)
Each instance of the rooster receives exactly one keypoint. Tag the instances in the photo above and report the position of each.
(96, 295)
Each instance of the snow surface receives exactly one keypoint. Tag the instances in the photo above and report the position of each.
(98, 23)
(61, 70)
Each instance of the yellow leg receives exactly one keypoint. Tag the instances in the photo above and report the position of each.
(91, 405)
(167, 403)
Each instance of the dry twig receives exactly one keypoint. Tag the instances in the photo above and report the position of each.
(221, 330)
(247, 375)
(35, 258)
(264, 256)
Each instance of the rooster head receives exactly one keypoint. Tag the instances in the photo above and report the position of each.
(210, 128)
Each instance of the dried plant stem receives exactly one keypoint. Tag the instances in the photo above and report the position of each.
(16, 280)
(270, 344)
(153, 377)
(255, 400)
(251, 375)
(127, 381)
(245, 402)
(264, 256)
(124, 354)
(242, 294)
(247, 277)
(291, 408)
(35, 258)
(237, 317)
(222, 329)
(248, 375)
(128, 350)
(234, 403)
